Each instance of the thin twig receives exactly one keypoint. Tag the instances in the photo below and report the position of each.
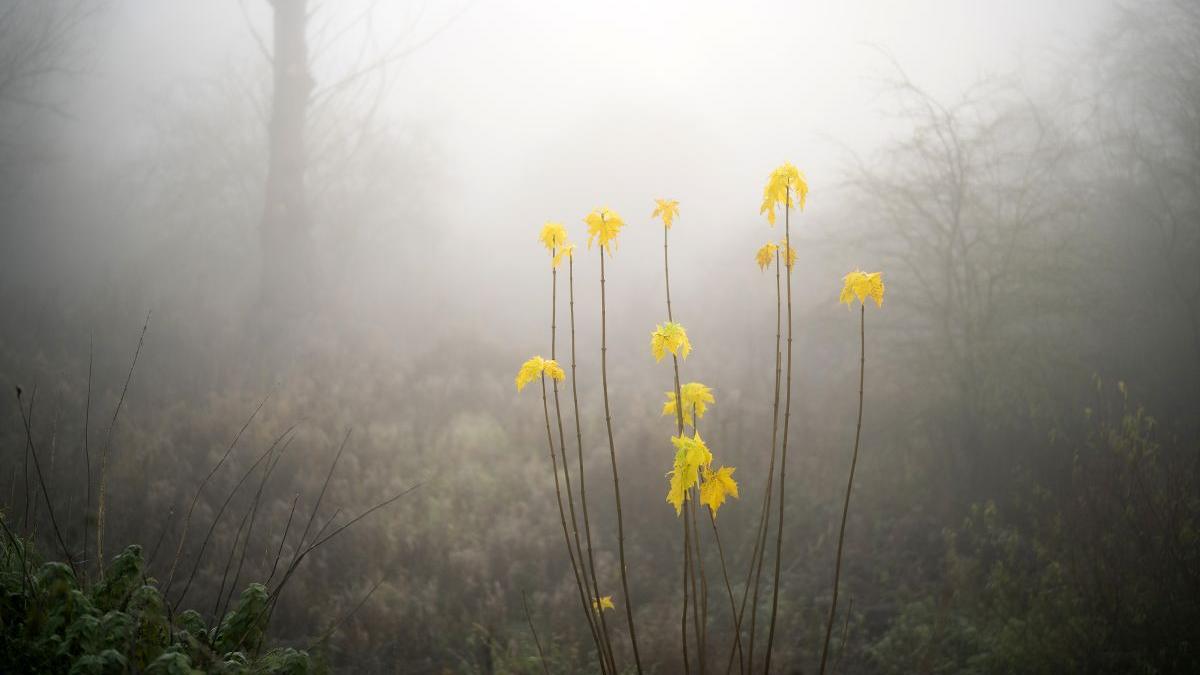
(37, 465)
(787, 416)
(837, 568)
(87, 455)
(587, 607)
(282, 539)
(253, 515)
(536, 641)
(104, 449)
(764, 521)
(845, 637)
(200, 489)
(612, 453)
(587, 523)
(221, 511)
(578, 565)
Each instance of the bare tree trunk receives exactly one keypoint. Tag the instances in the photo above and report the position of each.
(286, 236)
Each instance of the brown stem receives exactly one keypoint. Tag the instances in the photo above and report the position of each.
(737, 634)
(87, 457)
(187, 519)
(764, 515)
(687, 565)
(583, 599)
(688, 569)
(576, 556)
(37, 465)
(536, 641)
(612, 453)
(279, 552)
(845, 637)
(837, 568)
(104, 454)
(587, 523)
(703, 580)
(691, 570)
(787, 415)
(225, 504)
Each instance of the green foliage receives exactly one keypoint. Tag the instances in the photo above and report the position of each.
(1093, 576)
(52, 623)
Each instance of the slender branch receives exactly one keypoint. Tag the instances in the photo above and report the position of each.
(837, 568)
(317, 506)
(187, 520)
(587, 524)
(37, 465)
(764, 520)
(273, 596)
(104, 452)
(787, 415)
(612, 453)
(536, 641)
(577, 560)
(221, 511)
(687, 568)
(253, 515)
(737, 633)
(25, 465)
(87, 456)
(698, 557)
(690, 562)
(845, 637)
(286, 528)
(583, 599)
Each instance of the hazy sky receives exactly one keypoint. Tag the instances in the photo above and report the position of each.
(642, 84)
(543, 110)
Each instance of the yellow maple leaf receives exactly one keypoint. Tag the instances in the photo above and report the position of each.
(765, 255)
(602, 603)
(669, 337)
(603, 226)
(667, 209)
(535, 368)
(551, 368)
(785, 187)
(553, 235)
(716, 486)
(862, 285)
(696, 397)
(554, 238)
(690, 455)
(565, 250)
(791, 254)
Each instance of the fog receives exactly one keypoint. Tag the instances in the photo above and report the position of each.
(318, 223)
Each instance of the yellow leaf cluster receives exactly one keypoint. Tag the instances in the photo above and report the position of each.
(791, 254)
(765, 255)
(716, 486)
(567, 250)
(603, 226)
(602, 603)
(667, 210)
(554, 238)
(690, 455)
(696, 396)
(669, 337)
(537, 367)
(861, 285)
(786, 187)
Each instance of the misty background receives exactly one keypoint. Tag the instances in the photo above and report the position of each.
(1026, 175)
